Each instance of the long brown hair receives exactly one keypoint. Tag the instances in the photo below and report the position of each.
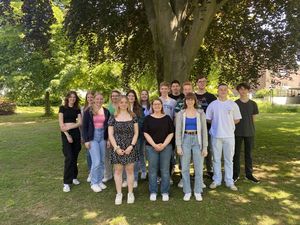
(117, 112)
(76, 103)
(137, 108)
(148, 105)
(86, 104)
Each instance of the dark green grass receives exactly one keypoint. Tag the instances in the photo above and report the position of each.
(31, 165)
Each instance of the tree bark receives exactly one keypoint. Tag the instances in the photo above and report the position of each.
(48, 111)
(176, 39)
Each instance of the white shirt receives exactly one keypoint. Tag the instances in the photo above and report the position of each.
(222, 115)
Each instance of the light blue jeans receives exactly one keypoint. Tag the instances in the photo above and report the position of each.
(97, 152)
(159, 161)
(141, 163)
(191, 147)
(225, 145)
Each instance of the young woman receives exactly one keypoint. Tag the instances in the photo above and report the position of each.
(123, 133)
(191, 142)
(158, 132)
(89, 99)
(95, 135)
(69, 117)
(139, 112)
(145, 102)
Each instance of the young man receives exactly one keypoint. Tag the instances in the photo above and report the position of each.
(245, 131)
(204, 99)
(223, 114)
(168, 103)
(175, 91)
(187, 88)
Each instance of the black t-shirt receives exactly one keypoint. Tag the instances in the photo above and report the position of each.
(158, 128)
(177, 97)
(245, 127)
(205, 99)
(70, 114)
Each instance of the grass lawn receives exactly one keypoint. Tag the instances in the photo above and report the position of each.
(31, 166)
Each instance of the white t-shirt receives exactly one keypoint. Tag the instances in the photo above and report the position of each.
(222, 116)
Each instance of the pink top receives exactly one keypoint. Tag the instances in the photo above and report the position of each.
(99, 121)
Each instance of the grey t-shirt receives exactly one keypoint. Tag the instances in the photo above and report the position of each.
(245, 127)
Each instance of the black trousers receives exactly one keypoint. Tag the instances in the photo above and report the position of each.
(71, 151)
(248, 146)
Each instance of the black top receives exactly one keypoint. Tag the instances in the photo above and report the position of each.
(205, 99)
(70, 114)
(158, 128)
(245, 127)
(177, 97)
(88, 127)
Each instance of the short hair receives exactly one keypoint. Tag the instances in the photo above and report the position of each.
(187, 83)
(190, 96)
(162, 108)
(243, 85)
(175, 82)
(222, 84)
(200, 77)
(164, 83)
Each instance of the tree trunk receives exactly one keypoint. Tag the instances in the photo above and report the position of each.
(48, 111)
(176, 37)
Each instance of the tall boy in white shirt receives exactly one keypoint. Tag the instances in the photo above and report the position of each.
(223, 114)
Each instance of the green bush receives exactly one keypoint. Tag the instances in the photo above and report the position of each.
(267, 107)
(7, 107)
(262, 93)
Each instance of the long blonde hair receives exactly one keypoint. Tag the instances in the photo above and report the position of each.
(117, 112)
(94, 107)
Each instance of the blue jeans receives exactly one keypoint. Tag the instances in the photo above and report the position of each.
(97, 152)
(88, 160)
(141, 163)
(190, 145)
(159, 161)
(225, 145)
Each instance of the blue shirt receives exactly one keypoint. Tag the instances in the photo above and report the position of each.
(191, 123)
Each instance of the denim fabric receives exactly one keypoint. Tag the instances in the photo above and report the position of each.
(225, 145)
(159, 161)
(191, 149)
(97, 152)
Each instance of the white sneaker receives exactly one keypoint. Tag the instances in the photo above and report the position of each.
(187, 197)
(105, 179)
(124, 184)
(135, 184)
(198, 197)
(165, 197)
(153, 197)
(118, 199)
(102, 186)
(66, 188)
(144, 175)
(213, 185)
(76, 182)
(89, 178)
(96, 188)
(130, 198)
(180, 184)
(233, 188)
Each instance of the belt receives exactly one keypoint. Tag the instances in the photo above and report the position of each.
(190, 132)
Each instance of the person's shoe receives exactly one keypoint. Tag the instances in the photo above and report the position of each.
(165, 197)
(203, 185)
(252, 179)
(130, 198)
(124, 184)
(76, 182)
(233, 188)
(143, 175)
(89, 178)
(198, 197)
(187, 197)
(235, 179)
(96, 188)
(135, 184)
(180, 184)
(153, 197)
(102, 186)
(171, 181)
(210, 175)
(66, 188)
(213, 185)
(105, 179)
(118, 199)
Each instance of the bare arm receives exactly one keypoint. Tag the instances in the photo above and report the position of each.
(111, 137)
(77, 124)
(236, 121)
(168, 139)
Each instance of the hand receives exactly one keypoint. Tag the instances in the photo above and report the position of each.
(63, 128)
(87, 145)
(69, 137)
(179, 151)
(204, 152)
(128, 150)
(108, 145)
(157, 147)
(120, 151)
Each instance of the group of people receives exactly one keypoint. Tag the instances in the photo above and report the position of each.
(130, 131)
